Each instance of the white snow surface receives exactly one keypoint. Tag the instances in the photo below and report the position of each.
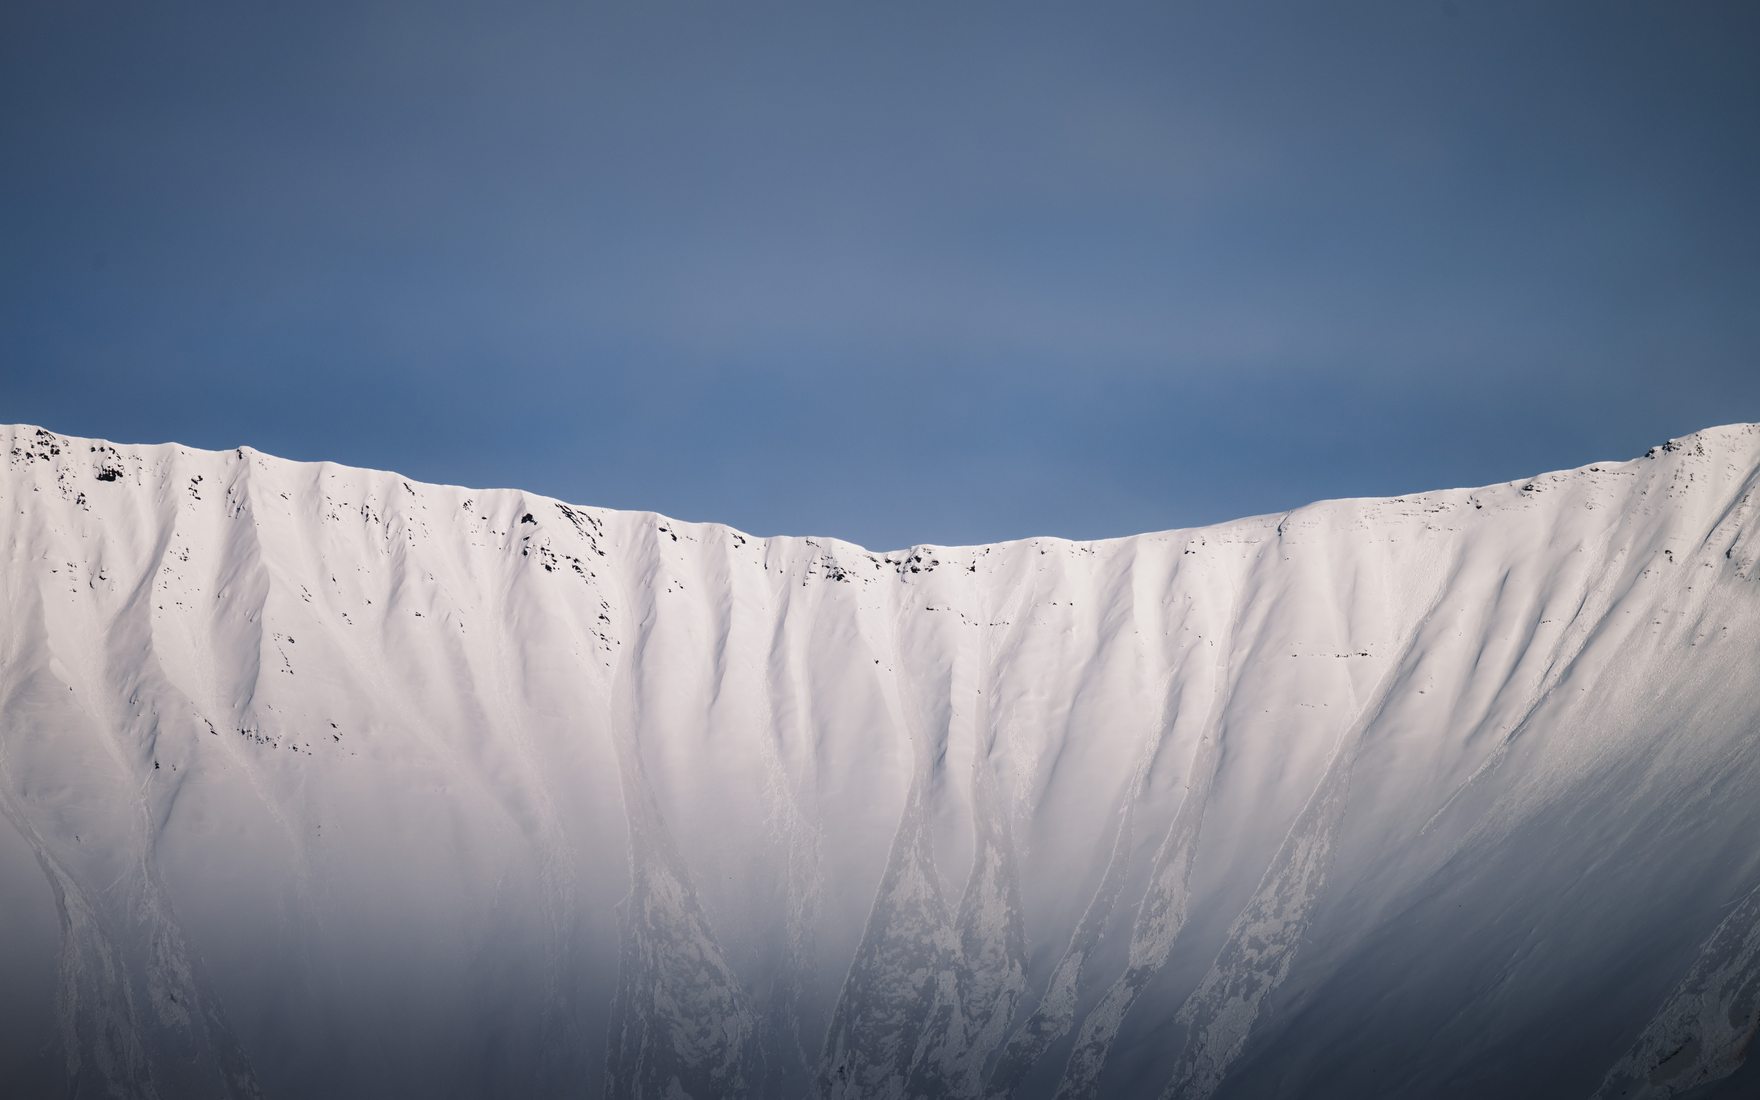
(317, 781)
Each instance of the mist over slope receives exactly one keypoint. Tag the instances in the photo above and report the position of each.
(316, 781)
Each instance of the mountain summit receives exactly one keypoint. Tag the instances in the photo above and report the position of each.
(317, 781)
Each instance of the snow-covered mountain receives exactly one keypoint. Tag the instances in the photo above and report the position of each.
(316, 781)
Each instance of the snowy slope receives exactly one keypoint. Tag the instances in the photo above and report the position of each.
(315, 781)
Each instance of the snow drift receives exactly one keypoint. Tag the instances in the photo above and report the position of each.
(316, 781)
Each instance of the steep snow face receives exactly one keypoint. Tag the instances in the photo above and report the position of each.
(315, 781)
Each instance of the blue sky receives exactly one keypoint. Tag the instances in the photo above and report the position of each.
(895, 273)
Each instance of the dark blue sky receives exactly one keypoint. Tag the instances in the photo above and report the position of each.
(892, 272)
